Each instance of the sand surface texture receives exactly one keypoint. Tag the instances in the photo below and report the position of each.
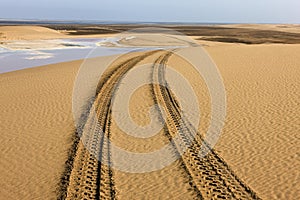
(36, 130)
(260, 139)
(257, 155)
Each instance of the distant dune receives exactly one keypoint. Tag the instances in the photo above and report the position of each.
(28, 33)
(231, 33)
(289, 28)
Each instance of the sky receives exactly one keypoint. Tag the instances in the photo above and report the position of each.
(201, 11)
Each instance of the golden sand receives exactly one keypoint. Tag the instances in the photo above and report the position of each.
(36, 128)
(8, 33)
(259, 141)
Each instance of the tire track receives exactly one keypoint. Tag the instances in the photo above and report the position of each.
(210, 176)
(85, 177)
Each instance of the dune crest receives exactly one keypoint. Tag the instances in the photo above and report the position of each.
(28, 33)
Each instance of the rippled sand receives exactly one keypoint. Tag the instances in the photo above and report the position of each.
(260, 139)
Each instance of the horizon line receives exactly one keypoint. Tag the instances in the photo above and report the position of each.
(95, 21)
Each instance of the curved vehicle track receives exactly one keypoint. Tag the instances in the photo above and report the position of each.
(211, 176)
(86, 178)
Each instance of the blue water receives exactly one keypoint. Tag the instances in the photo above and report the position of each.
(11, 60)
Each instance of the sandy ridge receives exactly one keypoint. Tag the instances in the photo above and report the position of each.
(27, 33)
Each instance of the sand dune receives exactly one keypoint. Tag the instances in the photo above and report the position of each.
(28, 33)
(261, 135)
(289, 28)
(260, 139)
(36, 128)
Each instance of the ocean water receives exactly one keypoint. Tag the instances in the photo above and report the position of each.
(27, 54)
